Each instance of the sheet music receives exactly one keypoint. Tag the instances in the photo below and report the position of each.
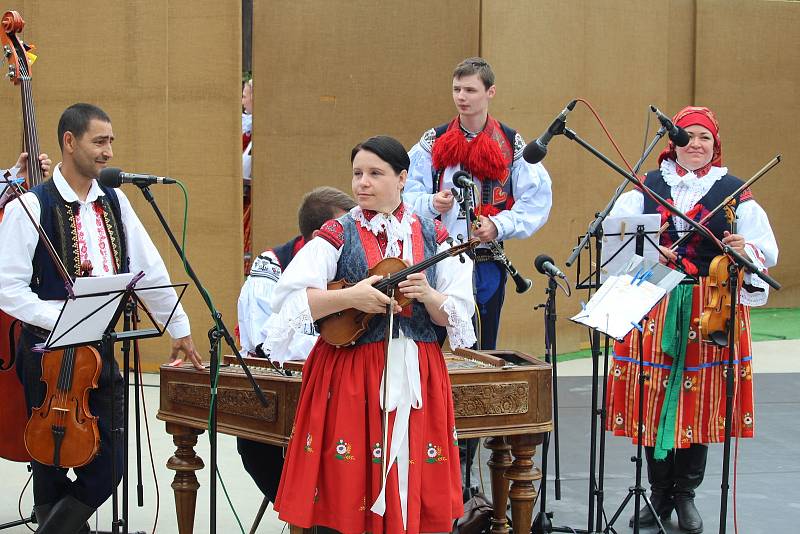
(84, 319)
(626, 297)
(619, 241)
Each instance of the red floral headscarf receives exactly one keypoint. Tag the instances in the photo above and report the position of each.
(689, 116)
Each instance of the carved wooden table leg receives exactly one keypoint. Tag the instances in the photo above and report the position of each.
(185, 462)
(499, 461)
(522, 473)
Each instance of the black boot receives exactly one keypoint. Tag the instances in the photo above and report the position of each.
(690, 466)
(659, 474)
(68, 516)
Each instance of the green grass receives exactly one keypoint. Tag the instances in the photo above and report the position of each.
(766, 324)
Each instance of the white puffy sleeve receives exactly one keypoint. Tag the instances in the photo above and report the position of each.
(630, 203)
(419, 186)
(454, 279)
(760, 246)
(313, 267)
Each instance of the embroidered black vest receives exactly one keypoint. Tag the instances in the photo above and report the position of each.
(58, 222)
(352, 267)
(697, 252)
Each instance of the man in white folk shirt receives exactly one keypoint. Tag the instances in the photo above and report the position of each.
(94, 228)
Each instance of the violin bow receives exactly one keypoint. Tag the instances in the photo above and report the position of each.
(764, 170)
(389, 330)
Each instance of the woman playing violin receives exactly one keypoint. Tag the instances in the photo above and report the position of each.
(332, 476)
(682, 365)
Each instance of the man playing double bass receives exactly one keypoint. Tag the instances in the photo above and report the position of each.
(94, 228)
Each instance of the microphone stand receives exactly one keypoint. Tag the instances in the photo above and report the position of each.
(542, 523)
(218, 332)
(597, 455)
(466, 202)
(738, 258)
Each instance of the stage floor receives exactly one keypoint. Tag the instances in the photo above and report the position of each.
(768, 467)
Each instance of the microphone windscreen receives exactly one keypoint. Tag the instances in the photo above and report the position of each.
(462, 179)
(534, 152)
(110, 177)
(539, 262)
(681, 137)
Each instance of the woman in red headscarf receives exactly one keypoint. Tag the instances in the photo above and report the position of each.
(684, 398)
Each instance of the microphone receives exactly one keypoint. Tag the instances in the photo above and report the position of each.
(114, 177)
(676, 134)
(544, 264)
(463, 180)
(536, 150)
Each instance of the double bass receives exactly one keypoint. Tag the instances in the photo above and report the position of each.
(13, 413)
(61, 432)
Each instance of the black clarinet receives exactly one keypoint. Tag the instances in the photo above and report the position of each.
(465, 201)
(523, 284)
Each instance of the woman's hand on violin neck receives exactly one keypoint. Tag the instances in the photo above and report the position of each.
(735, 241)
(368, 299)
(416, 286)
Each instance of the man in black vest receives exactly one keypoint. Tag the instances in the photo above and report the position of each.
(93, 229)
(262, 461)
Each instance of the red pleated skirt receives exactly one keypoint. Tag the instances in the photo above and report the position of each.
(332, 472)
(701, 405)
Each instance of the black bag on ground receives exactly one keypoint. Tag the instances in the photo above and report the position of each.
(477, 518)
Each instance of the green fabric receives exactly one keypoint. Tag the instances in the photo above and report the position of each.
(674, 337)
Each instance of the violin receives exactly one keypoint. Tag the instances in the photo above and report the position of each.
(62, 432)
(343, 328)
(715, 318)
(13, 411)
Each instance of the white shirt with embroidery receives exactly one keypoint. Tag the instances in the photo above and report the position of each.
(18, 239)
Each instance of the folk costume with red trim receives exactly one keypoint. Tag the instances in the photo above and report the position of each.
(698, 415)
(332, 473)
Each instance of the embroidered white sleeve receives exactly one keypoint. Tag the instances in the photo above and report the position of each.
(761, 247)
(533, 199)
(459, 330)
(419, 186)
(313, 267)
(454, 279)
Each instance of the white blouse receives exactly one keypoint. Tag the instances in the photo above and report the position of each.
(752, 224)
(316, 263)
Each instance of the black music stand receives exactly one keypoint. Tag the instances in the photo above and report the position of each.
(101, 301)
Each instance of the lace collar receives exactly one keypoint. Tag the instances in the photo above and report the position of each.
(690, 180)
(396, 225)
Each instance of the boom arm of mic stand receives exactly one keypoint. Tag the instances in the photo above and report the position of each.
(215, 315)
(598, 221)
(702, 230)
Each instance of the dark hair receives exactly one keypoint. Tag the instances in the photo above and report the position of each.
(388, 149)
(76, 119)
(320, 205)
(475, 65)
